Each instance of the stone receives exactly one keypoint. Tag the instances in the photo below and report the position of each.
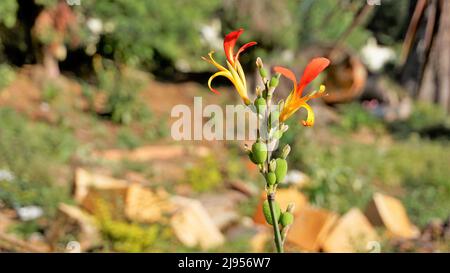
(222, 208)
(389, 212)
(351, 233)
(79, 222)
(146, 206)
(311, 226)
(85, 180)
(153, 152)
(193, 226)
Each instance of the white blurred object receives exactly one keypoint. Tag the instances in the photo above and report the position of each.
(29, 213)
(211, 34)
(6, 175)
(375, 56)
(296, 178)
(95, 25)
(73, 247)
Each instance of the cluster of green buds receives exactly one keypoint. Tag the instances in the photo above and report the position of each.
(262, 153)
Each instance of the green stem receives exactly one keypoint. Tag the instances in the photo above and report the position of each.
(276, 228)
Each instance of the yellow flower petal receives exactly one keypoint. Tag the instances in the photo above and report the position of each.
(241, 74)
(213, 62)
(240, 86)
(225, 74)
(310, 115)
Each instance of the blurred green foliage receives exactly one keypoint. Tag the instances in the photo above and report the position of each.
(8, 9)
(7, 75)
(141, 30)
(205, 175)
(425, 116)
(167, 35)
(326, 20)
(123, 236)
(34, 154)
(122, 92)
(355, 117)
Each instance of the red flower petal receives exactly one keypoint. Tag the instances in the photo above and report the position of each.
(242, 48)
(287, 73)
(229, 43)
(312, 70)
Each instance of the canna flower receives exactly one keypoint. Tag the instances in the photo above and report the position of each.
(295, 100)
(234, 72)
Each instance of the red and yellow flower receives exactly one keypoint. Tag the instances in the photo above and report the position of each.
(295, 100)
(234, 73)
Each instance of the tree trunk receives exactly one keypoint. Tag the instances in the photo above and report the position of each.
(433, 83)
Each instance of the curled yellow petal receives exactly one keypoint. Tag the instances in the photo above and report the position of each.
(225, 74)
(310, 115)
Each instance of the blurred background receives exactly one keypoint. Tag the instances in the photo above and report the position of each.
(87, 162)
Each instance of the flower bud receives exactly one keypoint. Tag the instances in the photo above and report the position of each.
(259, 62)
(286, 219)
(260, 104)
(268, 215)
(259, 152)
(286, 151)
(258, 91)
(272, 165)
(271, 178)
(290, 208)
(284, 128)
(263, 73)
(281, 169)
(274, 81)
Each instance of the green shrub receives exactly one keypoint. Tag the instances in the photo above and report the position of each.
(143, 31)
(34, 154)
(205, 175)
(123, 104)
(123, 236)
(355, 117)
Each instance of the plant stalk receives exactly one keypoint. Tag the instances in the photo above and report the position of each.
(276, 228)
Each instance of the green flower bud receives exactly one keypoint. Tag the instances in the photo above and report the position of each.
(281, 169)
(271, 178)
(259, 62)
(274, 81)
(260, 104)
(263, 72)
(286, 219)
(259, 152)
(250, 155)
(272, 165)
(268, 215)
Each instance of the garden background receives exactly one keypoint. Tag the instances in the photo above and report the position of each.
(87, 162)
